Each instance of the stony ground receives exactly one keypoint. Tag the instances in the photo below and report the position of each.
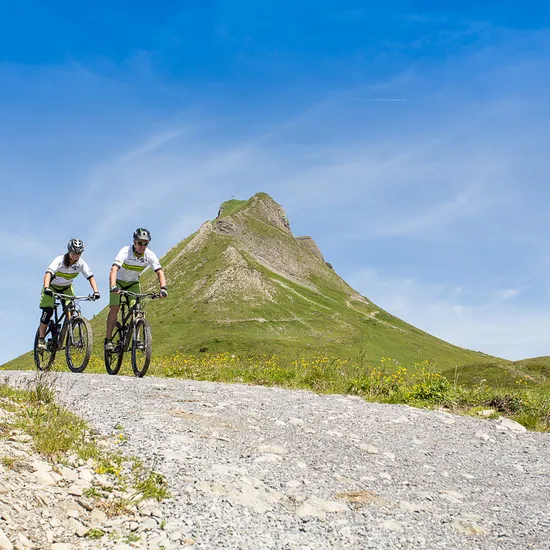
(258, 468)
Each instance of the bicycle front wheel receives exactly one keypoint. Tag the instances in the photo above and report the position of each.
(113, 359)
(44, 359)
(79, 344)
(142, 346)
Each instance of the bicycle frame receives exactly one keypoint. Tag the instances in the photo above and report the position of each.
(71, 308)
(129, 314)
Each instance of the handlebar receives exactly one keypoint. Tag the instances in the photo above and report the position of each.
(151, 295)
(88, 298)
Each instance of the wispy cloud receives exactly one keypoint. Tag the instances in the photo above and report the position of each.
(491, 325)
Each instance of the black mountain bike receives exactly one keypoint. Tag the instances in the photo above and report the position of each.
(69, 331)
(134, 332)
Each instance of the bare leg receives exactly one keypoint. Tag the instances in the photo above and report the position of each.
(111, 320)
(42, 330)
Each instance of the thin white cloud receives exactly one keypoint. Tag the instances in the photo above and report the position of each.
(509, 293)
(493, 326)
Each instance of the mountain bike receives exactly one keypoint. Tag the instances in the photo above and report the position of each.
(134, 332)
(69, 331)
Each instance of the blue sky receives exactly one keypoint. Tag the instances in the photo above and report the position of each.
(118, 114)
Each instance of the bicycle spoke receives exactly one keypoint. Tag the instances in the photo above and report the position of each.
(141, 347)
(44, 359)
(78, 344)
(113, 359)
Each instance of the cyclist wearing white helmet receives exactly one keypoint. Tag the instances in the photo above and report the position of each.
(126, 270)
(59, 278)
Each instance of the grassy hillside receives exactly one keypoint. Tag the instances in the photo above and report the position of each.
(244, 284)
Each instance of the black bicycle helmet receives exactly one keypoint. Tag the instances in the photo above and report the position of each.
(75, 246)
(142, 234)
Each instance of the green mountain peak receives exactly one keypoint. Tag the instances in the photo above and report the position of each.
(244, 283)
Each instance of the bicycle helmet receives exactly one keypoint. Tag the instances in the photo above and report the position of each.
(142, 234)
(75, 246)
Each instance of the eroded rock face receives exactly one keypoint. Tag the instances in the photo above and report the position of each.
(309, 244)
(263, 207)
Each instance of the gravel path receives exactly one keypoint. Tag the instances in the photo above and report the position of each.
(255, 468)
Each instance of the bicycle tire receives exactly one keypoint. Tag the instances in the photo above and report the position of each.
(113, 359)
(81, 342)
(44, 360)
(142, 347)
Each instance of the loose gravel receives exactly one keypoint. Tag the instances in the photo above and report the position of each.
(252, 467)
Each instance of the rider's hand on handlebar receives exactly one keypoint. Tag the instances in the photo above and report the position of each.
(48, 291)
(115, 289)
(163, 292)
(96, 295)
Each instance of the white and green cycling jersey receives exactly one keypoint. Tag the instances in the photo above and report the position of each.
(132, 266)
(62, 276)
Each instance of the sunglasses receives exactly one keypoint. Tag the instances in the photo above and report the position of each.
(140, 243)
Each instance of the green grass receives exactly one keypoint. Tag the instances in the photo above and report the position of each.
(231, 207)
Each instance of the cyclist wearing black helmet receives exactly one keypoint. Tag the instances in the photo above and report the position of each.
(126, 270)
(59, 278)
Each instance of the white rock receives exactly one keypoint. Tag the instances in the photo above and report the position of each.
(23, 540)
(160, 541)
(392, 525)
(75, 490)
(486, 412)
(467, 526)
(77, 527)
(511, 425)
(272, 449)
(86, 475)
(308, 510)
(293, 483)
(269, 457)
(69, 474)
(148, 525)
(98, 516)
(44, 478)
(327, 505)
(5, 543)
(369, 449)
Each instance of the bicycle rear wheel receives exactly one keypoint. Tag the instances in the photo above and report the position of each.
(142, 346)
(79, 344)
(113, 359)
(44, 360)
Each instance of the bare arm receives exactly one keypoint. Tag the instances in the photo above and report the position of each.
(93, 284)
(161, 277)
(112, 276)
(47, 279)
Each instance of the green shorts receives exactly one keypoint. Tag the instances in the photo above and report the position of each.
(48, 301)
(114, 298)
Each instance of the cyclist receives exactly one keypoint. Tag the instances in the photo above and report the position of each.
(126, 270)
(58, 278)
